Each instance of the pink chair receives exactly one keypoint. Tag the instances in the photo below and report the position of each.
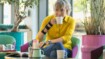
(24, 48)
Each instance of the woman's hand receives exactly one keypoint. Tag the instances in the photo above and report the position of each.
(47, 43)
(41, 44)
(53, 21)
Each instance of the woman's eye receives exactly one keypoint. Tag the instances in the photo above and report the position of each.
(56, 9)
(62, 10)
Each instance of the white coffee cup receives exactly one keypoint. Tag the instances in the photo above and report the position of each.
(61, 54)
(59, 20)
(37, 53)
(9, 47)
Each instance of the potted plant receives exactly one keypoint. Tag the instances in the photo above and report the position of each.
(19, 15)
(94, 27)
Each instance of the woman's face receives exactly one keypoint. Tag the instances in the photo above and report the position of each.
(60, 11)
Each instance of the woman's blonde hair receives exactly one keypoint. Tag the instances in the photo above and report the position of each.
(63, 3)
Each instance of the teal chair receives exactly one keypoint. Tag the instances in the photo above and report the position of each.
(6, 39)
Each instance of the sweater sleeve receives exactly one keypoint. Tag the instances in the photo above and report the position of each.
(69, 31)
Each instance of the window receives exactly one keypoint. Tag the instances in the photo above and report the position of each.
(7, 14)
(81, 10)
(51, 5)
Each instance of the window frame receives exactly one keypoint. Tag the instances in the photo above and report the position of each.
(1, 11)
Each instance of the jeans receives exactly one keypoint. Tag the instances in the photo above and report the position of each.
(50, 51)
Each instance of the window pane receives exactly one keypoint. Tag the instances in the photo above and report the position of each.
(7, 14)
(81, 12)
(51, 5)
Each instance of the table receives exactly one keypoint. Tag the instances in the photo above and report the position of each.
(43, 57)
(4, 53)
(6, 57)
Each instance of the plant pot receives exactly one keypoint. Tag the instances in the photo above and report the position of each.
(93, 40)
(90, 43)
(19, 36)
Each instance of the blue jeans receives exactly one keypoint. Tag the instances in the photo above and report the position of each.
(50, 51)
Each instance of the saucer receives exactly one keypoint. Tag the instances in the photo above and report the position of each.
(40, 56)
(43, 56)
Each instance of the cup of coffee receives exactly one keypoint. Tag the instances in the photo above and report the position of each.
(10, 47)
(61, 54)
(35, 44)
(59, 20)
(37, 53)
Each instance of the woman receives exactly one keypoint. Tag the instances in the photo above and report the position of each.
(57, 35)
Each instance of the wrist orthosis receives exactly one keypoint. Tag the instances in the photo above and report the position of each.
(47, 27)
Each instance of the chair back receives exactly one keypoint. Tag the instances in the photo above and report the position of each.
(6, 39)
(75, 47)
(75, 41)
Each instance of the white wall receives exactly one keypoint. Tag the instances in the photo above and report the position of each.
(43, 10)
(32, 22)
(34, 16)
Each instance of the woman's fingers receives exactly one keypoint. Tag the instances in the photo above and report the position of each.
(53, 21)
(41, 44)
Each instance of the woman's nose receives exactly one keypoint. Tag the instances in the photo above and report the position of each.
(58, 14)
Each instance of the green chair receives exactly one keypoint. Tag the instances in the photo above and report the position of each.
(6, 39)
(101, 57)
(75, 47)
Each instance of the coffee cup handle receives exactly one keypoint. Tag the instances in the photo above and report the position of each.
(42, 52)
